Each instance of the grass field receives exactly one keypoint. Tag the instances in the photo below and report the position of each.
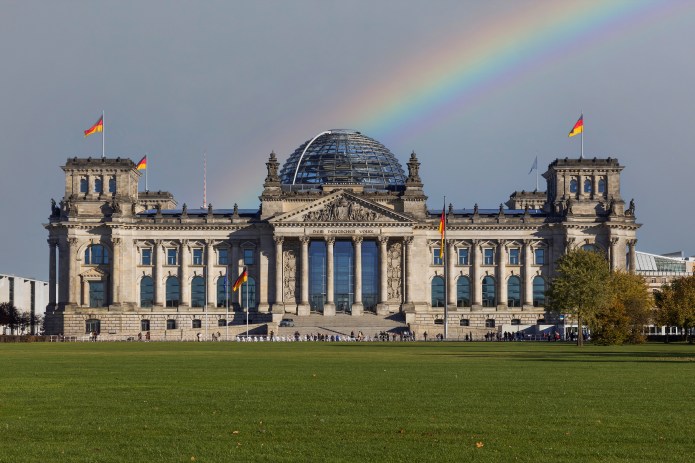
(214, 402)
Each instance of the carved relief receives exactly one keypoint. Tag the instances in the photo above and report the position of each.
(341, 210)
(290, 276)
(394, 262)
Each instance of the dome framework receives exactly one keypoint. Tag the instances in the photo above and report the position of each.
(343, 157)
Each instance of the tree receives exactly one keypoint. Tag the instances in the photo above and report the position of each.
(9, 316)
(629, 309)
(675, 304)
(581, 287)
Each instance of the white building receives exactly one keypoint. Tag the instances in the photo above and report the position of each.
(27, 295)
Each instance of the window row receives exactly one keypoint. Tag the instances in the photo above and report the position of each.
(587, 185)
(489, 292)
(97, 184)
(198, 297)
(98, 254)
(93, 325)
(198, 256)
(489, 256)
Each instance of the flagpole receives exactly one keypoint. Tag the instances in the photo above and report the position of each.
(147, 167)
(536, 173)
(205, 302)
(103, 136)
(446, 278)
(226, 300)
(247, 305)
(581, 156)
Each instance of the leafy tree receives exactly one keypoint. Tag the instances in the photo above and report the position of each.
(581, 287)
(629, 309)
(675, 304)
(9, 316)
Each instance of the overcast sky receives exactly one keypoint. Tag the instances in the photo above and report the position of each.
(477, 88)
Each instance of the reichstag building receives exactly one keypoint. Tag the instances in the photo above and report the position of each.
(342, 231)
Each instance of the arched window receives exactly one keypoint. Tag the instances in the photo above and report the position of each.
(112, 184)
(538, 292)
(146, 292)
(98, 185)
(587, 186)
(514, 291)
(591, 247)
(248, 288)
(602, 185)
(573, 185)
(198, 292)
(224, 297)
(437, 292)
(489, 291)
(96, 254)
(173, 292)
(463, 292)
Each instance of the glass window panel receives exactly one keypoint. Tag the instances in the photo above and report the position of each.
(489, 256)
(224, 295)
(173, 292)
(538, 292)
(198, 256)
(198, 292)
(463, 292)
(146, 256)
(146, 292)
(514, 256)
(540, 256)
(172, 257)
(248, 288)
(436, 259)
(248, 256)
(370, 275)
(223, 256)
(514, 291)
(97, 294)
(489, 292)
(437, 292)
(463, 256)
(317, 274)
(98, 185)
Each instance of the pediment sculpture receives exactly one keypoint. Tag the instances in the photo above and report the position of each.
(341, 210)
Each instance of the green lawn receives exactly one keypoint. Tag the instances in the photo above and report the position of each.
(214, 402)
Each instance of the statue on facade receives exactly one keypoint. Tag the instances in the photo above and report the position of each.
(115, 207)
(568, 206)
(235, 212)
(184, 210)
(475, 209)
(413, 171)
(210, 209)
(55, 210)
(631, 209)
(272, 166)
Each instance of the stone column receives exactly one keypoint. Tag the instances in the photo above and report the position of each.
(383, 270)
(304, 307)
(210, 273)
(476, 283)
(614, 254)
(184, 283)
(502, 274)
(633, 255)
(451, 274)
(358, 306)
(329, 306)
(63, 271)
(115, 272)
(52, 251)
(234, 274)
(528, 275)
(159, 291)
(408, 253)
(278, 306)
(74, 291)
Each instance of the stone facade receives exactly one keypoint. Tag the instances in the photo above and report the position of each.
(110, 245)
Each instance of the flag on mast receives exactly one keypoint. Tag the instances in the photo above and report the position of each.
(534, 166)
(442, 231)
(142, 164)
(97, 127)
(578, 127)
(244, 277)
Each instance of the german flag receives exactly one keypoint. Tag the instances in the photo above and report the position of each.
(143, 163)
(98, 127)
(244, 277)
(578, 127)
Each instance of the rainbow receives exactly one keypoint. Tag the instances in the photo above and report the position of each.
(467, 68)
(432, 88)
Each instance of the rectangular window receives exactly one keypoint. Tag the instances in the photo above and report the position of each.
(172, 257)
(223, 257)
(489, 256)
(112, 184)
(436, 260)
(514, 256)
(198, 256)
(146, 256)
(84, 185)
(248, 257)
(99, 185)
(171, 324)
(463, 256)
(540, 256)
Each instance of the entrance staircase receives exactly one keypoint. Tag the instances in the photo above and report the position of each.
(341, 324)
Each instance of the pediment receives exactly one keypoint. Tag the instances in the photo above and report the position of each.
(342, 207)
(93, 273)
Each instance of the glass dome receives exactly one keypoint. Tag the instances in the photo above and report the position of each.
(343, 156)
